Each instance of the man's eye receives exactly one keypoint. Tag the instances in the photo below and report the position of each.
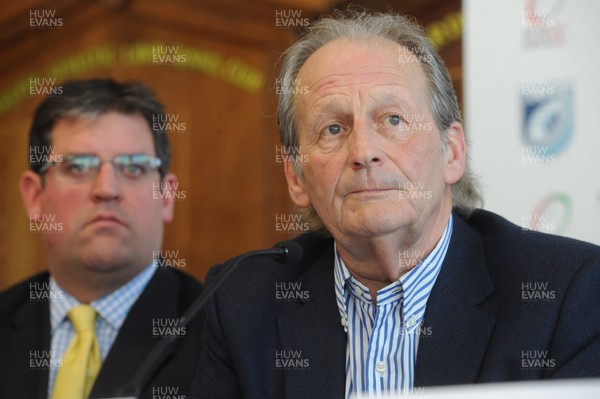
(133, 169)
(77, 168)
(333, 129)
(394, 120)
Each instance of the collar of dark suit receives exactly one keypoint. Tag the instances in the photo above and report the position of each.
(464, 269)
(459, 330)
(158, 301)
(29, 333)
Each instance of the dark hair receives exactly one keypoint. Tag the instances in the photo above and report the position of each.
(93, 97)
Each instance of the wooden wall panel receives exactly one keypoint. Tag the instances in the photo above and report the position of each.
(225, 157)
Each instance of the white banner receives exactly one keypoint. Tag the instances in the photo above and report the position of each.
(532, 111)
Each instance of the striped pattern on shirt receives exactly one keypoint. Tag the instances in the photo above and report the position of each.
(112, 310)
(382, 339)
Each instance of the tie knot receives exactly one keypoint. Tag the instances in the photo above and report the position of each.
(83, 318)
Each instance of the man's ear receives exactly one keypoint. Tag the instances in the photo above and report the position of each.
(31, 189)
(296, 187)
(168, 188)
(456, 153)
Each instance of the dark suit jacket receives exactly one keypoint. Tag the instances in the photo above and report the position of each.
(25, 327)
(485, 319)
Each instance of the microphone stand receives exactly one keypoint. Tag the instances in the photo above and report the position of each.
(163, 348)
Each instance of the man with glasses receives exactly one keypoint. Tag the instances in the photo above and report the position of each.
(103, 180)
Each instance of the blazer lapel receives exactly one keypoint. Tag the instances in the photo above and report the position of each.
(30, 342)
(457, 331)
(135, 338)
(311, 330)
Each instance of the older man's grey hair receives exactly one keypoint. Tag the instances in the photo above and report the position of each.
(360, 25)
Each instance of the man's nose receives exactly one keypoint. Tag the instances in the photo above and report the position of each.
(365, 148)
(106, 184)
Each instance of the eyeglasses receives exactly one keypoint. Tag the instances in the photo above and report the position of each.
(80, 167)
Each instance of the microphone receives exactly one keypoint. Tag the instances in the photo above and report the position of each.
(286, 252)
(290, 252)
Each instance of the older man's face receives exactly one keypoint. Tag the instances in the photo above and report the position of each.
(375, 163)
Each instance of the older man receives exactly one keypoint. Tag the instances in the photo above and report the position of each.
(415, 287)
(100, 173)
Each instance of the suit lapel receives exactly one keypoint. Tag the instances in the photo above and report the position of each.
(135, 338)
(313, 327)
(30, 339)
(458, 329)
(452, 351)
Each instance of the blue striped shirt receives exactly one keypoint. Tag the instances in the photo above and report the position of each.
(382, 338)
(112, 310)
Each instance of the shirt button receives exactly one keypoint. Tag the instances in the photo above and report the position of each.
(343, 322)
(411, 322)
(380, 367)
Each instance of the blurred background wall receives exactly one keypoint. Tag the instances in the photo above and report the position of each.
(213, 64)
(531, 105)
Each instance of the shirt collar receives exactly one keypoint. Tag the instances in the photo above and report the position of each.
(113, 308)
(404, 289)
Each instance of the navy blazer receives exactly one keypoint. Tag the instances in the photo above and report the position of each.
(508, 304)
(25, 327)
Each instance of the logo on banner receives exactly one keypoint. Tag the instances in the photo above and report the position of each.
(541, 24)
(548, 119)
(552, 214)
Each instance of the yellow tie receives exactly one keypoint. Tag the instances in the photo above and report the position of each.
(81, 361)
